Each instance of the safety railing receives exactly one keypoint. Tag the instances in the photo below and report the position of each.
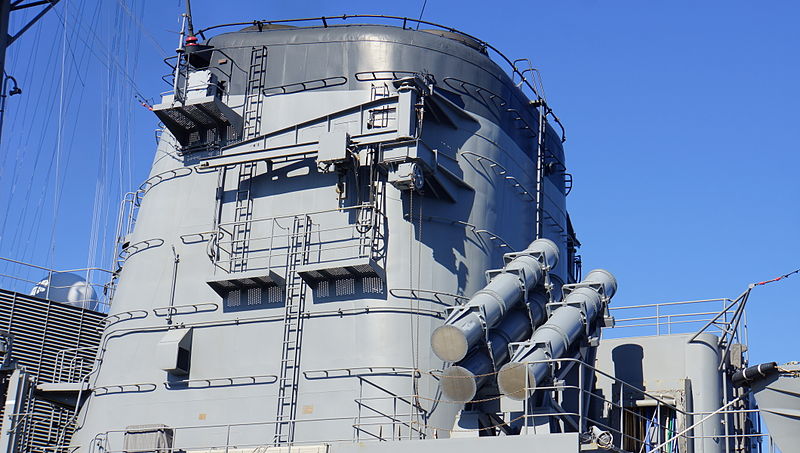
(631, 419)
(228, 437)
(222, 76)
(74, 364)
(674, 318)
(79, 287)
(388, 416)
(269, 241)
(622, 410)
(516, 72)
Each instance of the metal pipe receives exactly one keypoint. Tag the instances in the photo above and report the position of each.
(529, 366)
(180, 51)
(176, 259)
(466, 326)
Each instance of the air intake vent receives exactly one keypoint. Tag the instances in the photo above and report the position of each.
(148, 439)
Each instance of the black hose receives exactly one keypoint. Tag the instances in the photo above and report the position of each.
(752, 374)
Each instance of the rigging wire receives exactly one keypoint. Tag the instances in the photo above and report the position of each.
(108, 58)
(422, 11)
(74, 24)
(33, 223)
(143, 29)
(23, 75)
(59, 141)
(22, 140)
(77, 109)
(38, 213)
(33, 231)
(99, 202)
(777, 279)
(105, 184)
(121, 132)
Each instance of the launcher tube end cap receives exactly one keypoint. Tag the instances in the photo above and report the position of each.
(449, 343)
(511, 380)
(458, 384)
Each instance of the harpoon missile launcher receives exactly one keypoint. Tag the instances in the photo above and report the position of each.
(575, 317)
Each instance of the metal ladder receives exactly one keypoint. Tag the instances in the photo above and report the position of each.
(242, 218)
(540, 161)
(254, 96)
(378, 117)
(371, 244)
(292, 331)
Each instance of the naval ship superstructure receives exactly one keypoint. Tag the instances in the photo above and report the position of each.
(354, 237)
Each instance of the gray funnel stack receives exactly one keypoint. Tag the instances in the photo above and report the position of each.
(580, 308)
(467, 325)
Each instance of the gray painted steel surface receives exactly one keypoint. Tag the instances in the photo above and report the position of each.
(673, 368)
(778, 399)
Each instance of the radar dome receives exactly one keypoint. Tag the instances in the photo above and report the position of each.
(67, 288)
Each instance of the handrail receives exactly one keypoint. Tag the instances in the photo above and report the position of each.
(663, 304)
(701, 421)
(226, 380)
(36, 282)
(725, 321)
(401, 417)
(360, 371)
(199, 307)
(18, 274)
(55, 270)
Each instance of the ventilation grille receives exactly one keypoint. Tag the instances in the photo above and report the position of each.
(348, 288)
(41, 329)
(252, 298)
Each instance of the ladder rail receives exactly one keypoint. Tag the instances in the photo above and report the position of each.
(292, 332)
(242, 216)
(254, 96)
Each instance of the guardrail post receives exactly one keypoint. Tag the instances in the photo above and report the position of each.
(581, 371)
(227, 438)
(49, 284)
(658, 319)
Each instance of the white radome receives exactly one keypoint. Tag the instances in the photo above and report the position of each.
(67, 288)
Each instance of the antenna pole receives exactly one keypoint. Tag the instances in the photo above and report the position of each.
(5, 41)
(5, 13)
(180, 51)
(189, 17)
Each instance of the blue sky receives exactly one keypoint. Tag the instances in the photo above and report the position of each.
(681, 117)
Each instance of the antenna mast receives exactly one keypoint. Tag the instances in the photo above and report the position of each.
(189, 17)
